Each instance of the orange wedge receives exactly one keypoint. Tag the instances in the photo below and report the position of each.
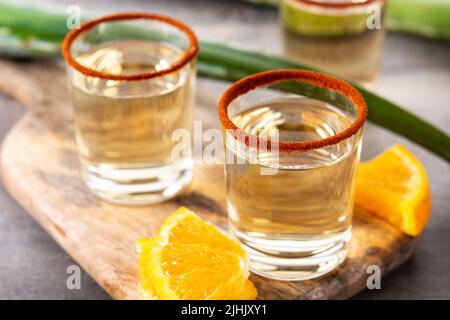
(190, 258)
(394, 186)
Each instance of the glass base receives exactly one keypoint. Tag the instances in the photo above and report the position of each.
(294, 259)
(137, 185)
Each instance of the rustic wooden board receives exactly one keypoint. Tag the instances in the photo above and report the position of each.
(39, 167)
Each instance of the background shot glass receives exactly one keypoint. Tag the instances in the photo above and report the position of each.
(334, 36)
(290, 193)
(132, 82)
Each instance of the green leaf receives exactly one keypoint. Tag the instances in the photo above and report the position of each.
(216, 61)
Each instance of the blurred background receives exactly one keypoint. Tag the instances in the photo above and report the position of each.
(406, 59)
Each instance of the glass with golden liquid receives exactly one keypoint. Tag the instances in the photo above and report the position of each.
(290, 170)
(132, 81)
(343, 37)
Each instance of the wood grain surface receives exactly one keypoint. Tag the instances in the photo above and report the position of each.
(39, 167)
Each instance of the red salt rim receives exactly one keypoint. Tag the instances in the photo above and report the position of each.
(337, 5)
(187, 56)
(274, 76)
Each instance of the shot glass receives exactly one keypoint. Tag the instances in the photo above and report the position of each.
(290, 164)
(132, 82)
(343, 37)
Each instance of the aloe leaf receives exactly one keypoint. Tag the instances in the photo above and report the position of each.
(381, 111)
(219, 61)
(428, 18)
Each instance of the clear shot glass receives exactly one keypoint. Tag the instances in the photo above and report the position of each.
(132, 82)
(290, 164)
(343, 37)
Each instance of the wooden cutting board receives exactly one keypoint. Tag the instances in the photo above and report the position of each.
(39, 167)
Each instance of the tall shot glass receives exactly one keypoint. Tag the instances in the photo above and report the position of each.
(344, 37)
(290, 169)
(132, 83)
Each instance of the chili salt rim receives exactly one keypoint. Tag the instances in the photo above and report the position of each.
(274, 76)
(338, 5)
(187, 56)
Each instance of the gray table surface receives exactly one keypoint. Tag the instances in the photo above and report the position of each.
(416, 74)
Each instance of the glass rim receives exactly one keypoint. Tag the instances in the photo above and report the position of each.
(261, 79)
(188, 54)
(338, 5)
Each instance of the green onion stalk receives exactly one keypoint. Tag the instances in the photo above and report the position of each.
(29, 32)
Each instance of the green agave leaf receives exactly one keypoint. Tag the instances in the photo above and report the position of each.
(216, 61)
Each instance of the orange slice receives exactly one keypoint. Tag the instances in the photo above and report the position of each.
(394, 186)
(189, 258)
